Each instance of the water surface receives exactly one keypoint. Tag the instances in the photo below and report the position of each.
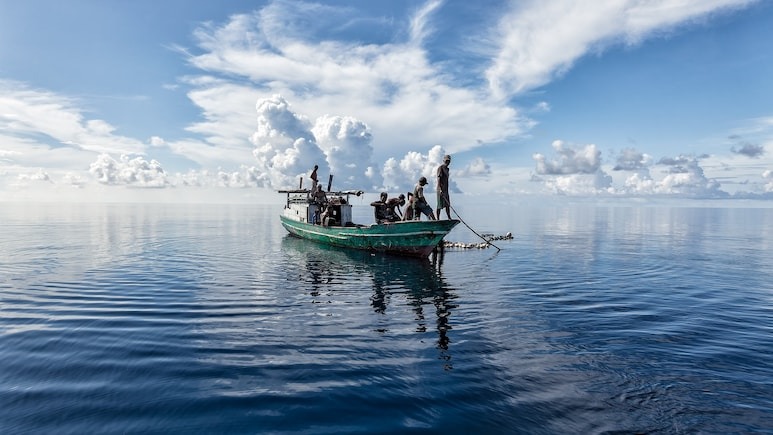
(181, 319)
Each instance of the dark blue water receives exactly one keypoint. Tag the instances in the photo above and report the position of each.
(210, 319)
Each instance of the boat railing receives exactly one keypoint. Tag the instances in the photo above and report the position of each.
(303, 195)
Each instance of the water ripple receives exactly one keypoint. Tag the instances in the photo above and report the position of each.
(117, 319)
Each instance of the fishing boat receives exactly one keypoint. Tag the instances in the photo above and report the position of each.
(331, 224)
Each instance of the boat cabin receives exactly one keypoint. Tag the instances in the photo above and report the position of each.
(301, 207)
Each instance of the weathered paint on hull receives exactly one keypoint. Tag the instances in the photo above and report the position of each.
(414, 238)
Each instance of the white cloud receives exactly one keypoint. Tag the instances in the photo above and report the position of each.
(157, 141)
(44, 118)
(136, 172)
(682, 175)
(578, 171)
(419, 22)
(224, 106)
(222, 138)
(404, 174)
(768, 177)
(641, 183)
(542, 107)
(580, 184)
(44, 130)
(478, 167)
(540, 40)
(286, 149)
(685, 176)
(244, 177)
(407, 101)
(571, 160)
(631, 160)
(73, 179)
(38, 176)
(346, 142)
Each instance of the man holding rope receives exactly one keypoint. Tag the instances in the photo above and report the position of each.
(443, 198)
(444, 201)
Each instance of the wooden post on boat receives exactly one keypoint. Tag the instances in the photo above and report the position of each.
(300, 186)
(330, 182)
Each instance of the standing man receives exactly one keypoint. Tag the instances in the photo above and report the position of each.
(443, 199)
(313, 176)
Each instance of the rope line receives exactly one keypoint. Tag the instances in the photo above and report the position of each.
(470, 228)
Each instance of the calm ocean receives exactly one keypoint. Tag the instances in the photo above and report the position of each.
(210, 319)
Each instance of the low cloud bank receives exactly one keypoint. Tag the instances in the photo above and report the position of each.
(128, 171)
(578, 170)
(286, 144)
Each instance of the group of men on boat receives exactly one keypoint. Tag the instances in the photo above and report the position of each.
(388, 209)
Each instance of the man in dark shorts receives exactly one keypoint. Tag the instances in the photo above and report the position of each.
(443, 198)
(420, 202)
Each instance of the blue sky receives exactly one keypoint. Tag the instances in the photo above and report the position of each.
(610, 98)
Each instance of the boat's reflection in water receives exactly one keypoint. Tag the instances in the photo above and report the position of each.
(420, 282)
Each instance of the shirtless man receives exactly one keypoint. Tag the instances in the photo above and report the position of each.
(420, 202)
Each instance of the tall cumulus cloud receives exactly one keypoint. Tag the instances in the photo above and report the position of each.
(286, 149)
(346, 142)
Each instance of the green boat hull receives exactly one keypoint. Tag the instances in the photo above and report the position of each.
(413, 238)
